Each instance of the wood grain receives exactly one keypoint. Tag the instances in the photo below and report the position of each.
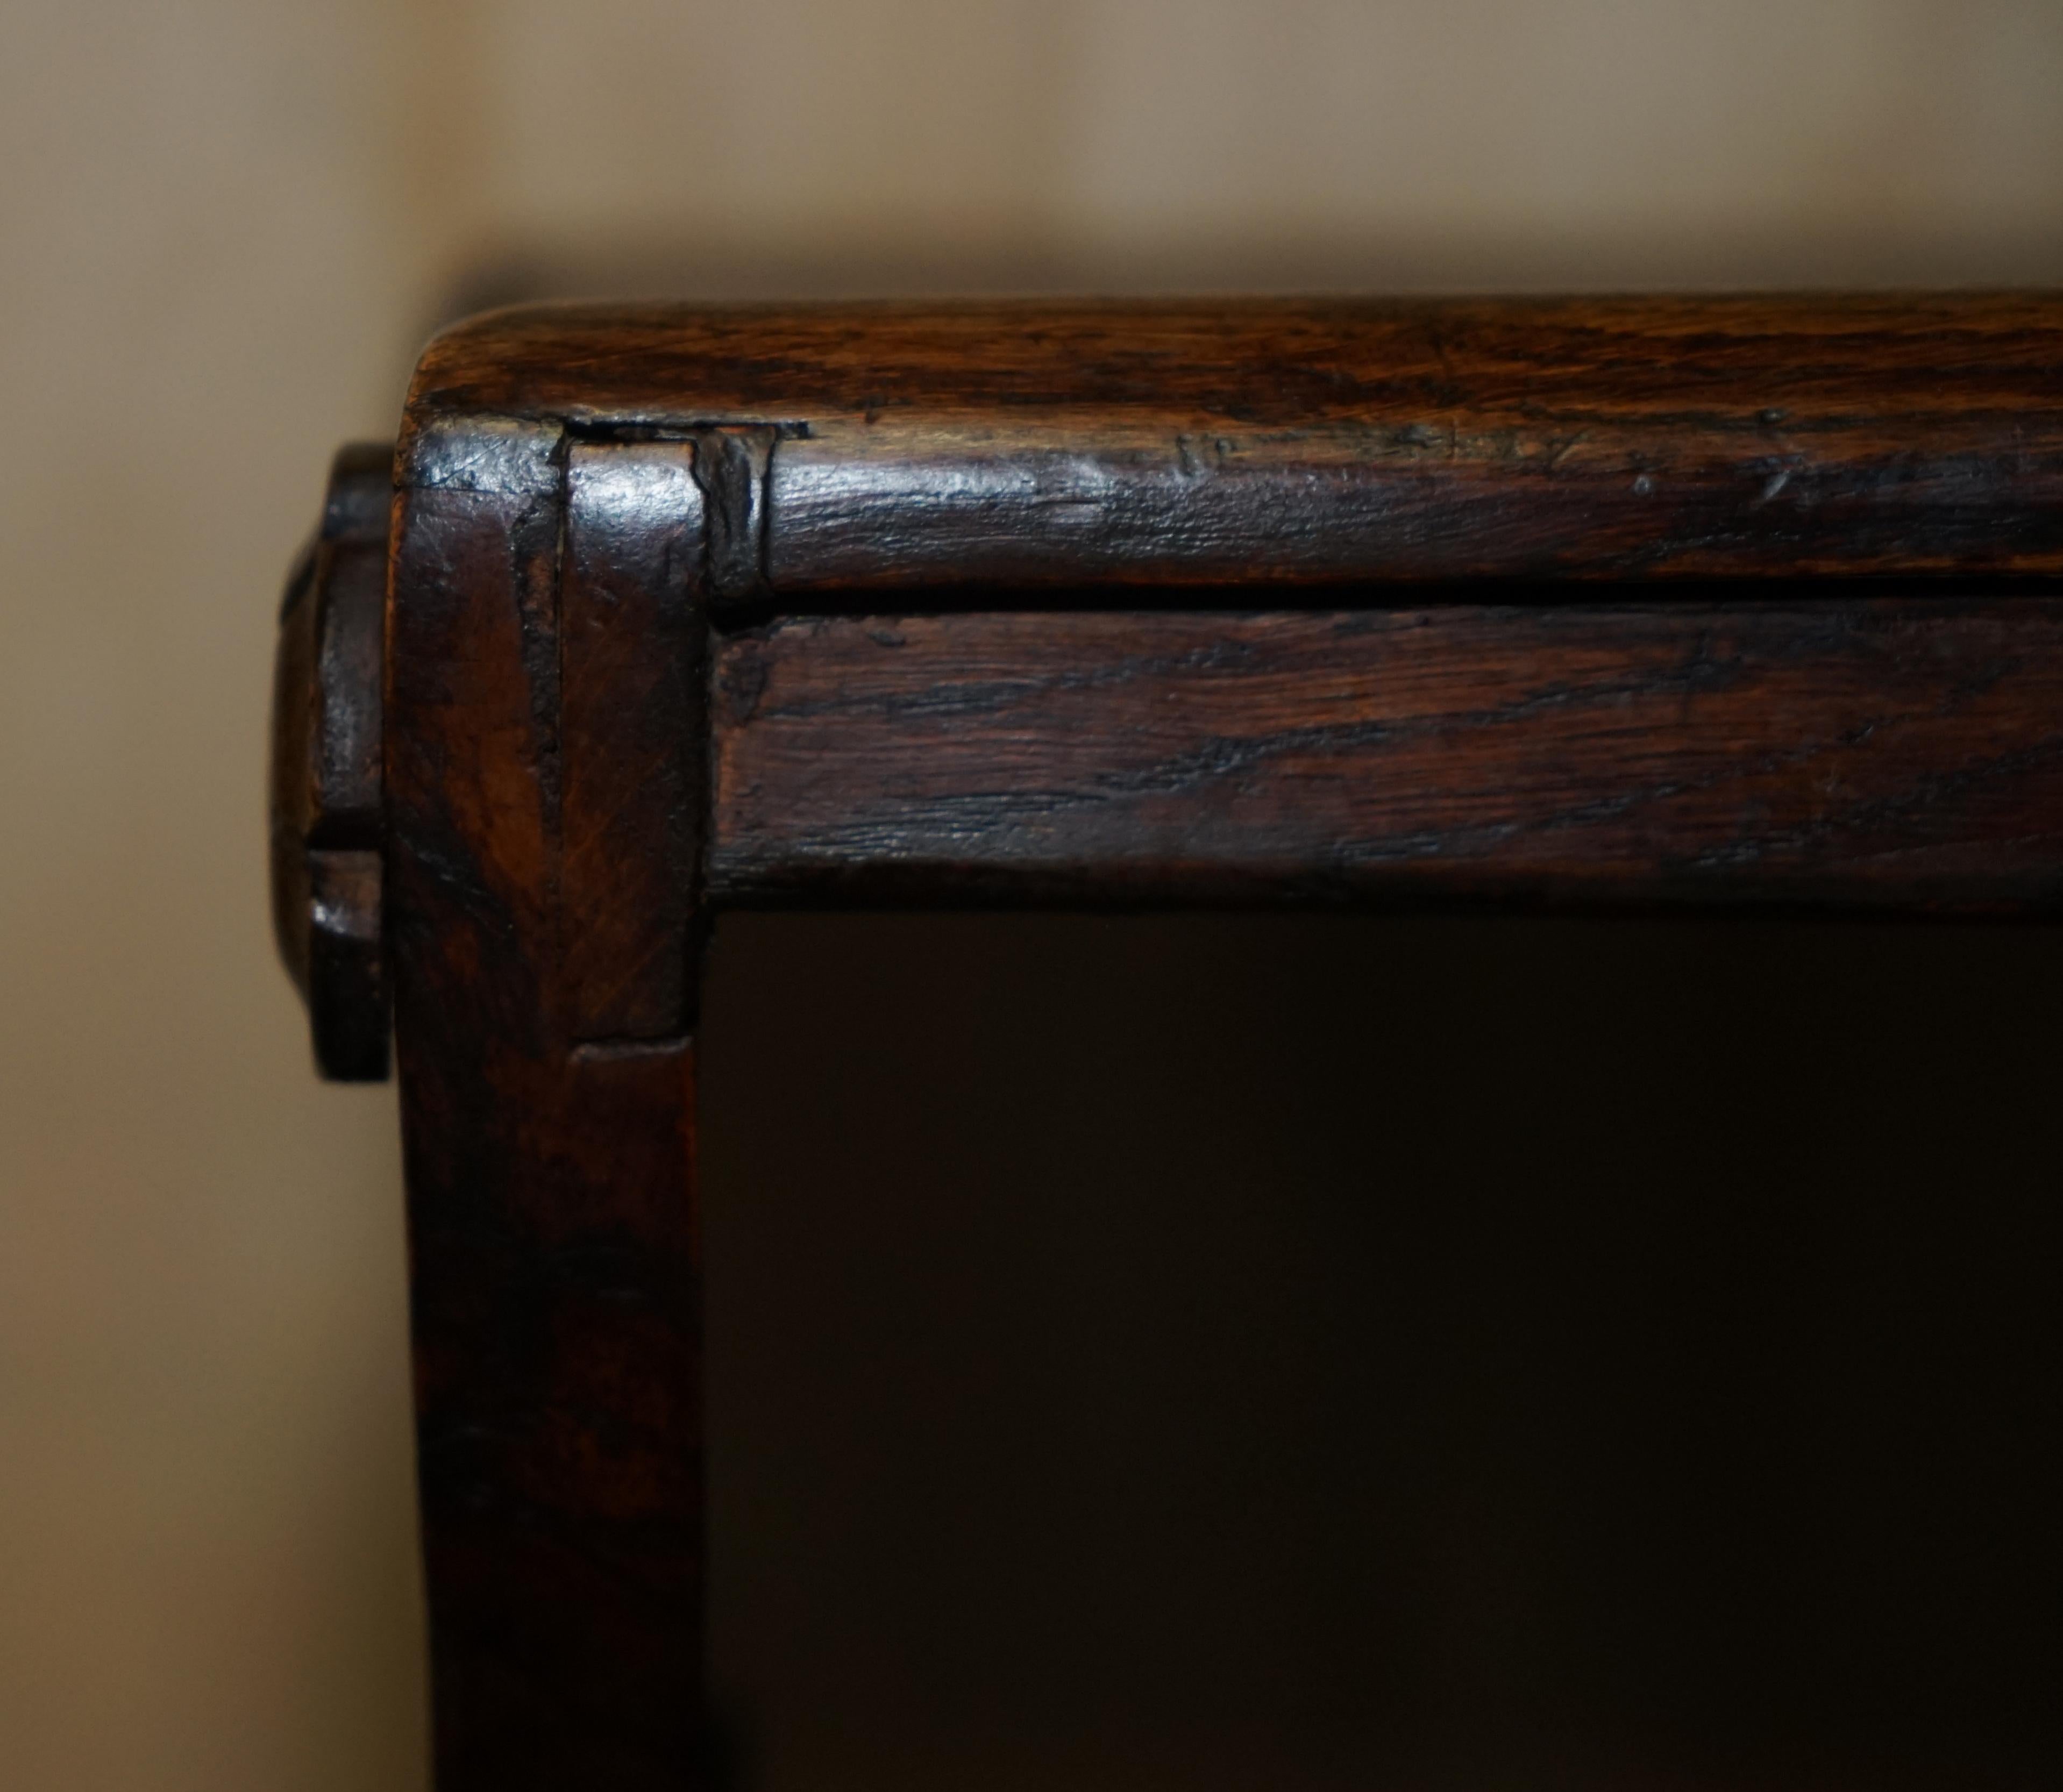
(631, 729)
(1308, 443)
(1880, 753)
(551, 1225)
(1167, 649)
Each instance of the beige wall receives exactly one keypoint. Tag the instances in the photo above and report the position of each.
(225, 223)
(1482, 123)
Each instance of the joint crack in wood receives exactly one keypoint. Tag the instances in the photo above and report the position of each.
(734, 468)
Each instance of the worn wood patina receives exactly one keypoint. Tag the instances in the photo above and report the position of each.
(1720, 602)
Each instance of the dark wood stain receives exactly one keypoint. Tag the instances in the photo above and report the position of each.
(630, 662)
(1311, 442)
(551, 1199)
(1886, 753)
(647, 654)
(325, 800)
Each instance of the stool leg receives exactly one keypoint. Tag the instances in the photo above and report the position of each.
(551, 1215)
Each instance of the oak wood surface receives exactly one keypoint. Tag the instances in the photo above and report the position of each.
(1900, 755)
(1095, 603)
(555, 1303)
(629, 736)
(1307, 442)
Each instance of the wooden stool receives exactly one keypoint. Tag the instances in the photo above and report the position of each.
(655, 612)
